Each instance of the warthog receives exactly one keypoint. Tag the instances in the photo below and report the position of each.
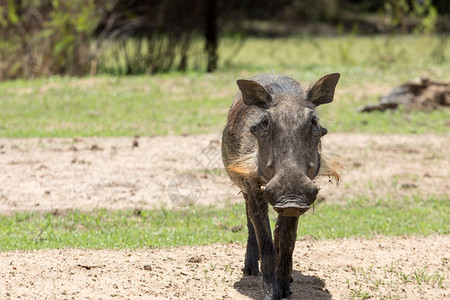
(271, 150)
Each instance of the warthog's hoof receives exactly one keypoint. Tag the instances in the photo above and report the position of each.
(291, 207)
(251, 271)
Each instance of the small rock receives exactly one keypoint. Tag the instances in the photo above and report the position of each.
(135, 142)
(236, 228)
(195, 259)
(147, 267)
(409, 186)
(95, 148)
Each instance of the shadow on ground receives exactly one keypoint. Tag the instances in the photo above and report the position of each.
(304, 287)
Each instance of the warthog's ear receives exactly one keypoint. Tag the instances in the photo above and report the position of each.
(254, 94)
(323, 90)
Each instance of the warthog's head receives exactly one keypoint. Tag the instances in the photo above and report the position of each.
(288, 133)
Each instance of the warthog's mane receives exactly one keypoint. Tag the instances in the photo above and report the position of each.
(245, 165)
(330, 166)
(279, 84)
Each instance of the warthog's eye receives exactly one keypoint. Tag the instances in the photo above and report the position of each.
(262, 128)
(316, 128)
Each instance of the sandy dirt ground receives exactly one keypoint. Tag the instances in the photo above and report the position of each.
(120, 173)
(385, 268)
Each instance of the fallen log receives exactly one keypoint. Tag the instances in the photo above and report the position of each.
(418, 94)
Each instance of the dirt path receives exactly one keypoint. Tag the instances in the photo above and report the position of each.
(385, 268)
(85, 173)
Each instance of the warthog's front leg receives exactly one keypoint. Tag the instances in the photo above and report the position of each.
(251, 267)
(285, 234)
(258, 214)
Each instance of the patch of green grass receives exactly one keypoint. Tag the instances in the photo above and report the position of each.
(384, 52)
(109, 106)
(363, 285)
(121, 229)
(358, 293)
(363, 218)
(345, 119)
(198, 225)
(300, 53)
(198, 103)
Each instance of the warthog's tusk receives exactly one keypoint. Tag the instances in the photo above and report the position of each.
(263, 188)
(319, 187)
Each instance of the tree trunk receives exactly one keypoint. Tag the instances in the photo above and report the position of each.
(211, 34)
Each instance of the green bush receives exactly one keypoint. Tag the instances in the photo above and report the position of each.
(46, 37)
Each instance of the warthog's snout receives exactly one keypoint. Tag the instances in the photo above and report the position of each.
(291, 206)
(291, 198)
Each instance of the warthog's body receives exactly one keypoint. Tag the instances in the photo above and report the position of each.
(271, 151)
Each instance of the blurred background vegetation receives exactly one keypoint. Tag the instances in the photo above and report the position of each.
(57, 37)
